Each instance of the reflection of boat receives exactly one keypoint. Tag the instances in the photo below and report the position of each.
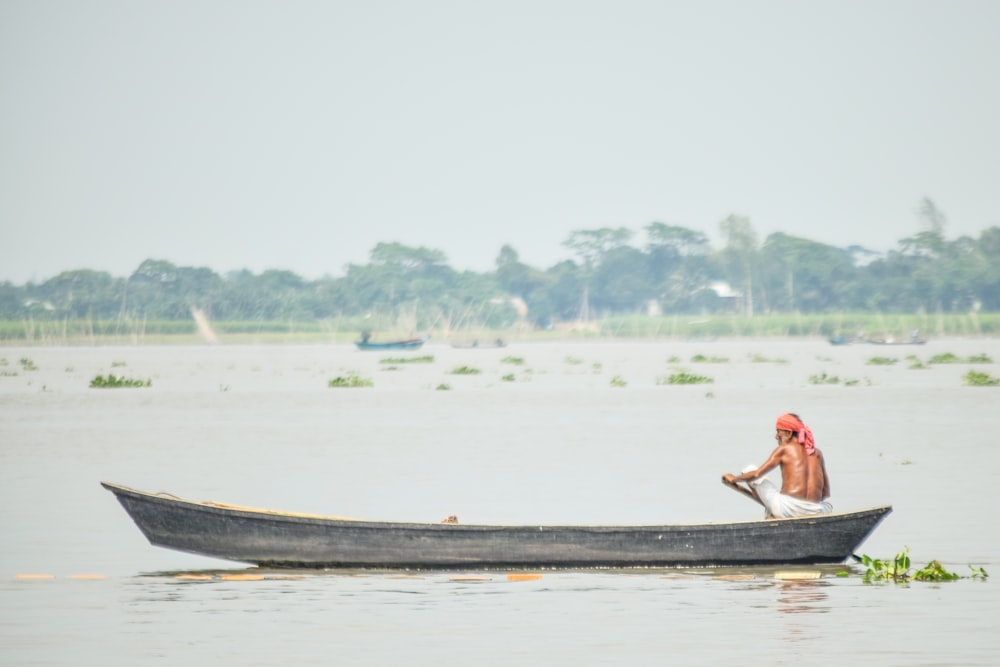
(281, 539)
(410, 344)
(475, 344)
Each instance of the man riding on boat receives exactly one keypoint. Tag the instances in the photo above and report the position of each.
(805, 485)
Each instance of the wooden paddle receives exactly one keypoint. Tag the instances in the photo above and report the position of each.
(735, 486)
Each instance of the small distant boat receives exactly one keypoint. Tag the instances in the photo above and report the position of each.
(409, 344)
(895, 341)
(914, 339)
(283, 539)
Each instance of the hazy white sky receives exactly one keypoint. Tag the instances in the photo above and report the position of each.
(297, 135)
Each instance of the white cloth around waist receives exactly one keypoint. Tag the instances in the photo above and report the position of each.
(780, 505)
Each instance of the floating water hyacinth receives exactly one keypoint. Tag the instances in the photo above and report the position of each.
(113, 382)
(351, 380)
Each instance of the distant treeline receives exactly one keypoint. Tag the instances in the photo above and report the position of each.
(674, 272)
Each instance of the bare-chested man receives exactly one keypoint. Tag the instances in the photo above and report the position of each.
(805, 486)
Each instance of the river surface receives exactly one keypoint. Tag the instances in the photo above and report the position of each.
(545, 433)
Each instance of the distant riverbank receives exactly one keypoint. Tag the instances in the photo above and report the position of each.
(188, 332)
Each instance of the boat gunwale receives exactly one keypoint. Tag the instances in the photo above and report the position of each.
(226, 509)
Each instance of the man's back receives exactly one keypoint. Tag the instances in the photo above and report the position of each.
(803, 475)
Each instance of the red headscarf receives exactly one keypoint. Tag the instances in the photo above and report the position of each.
(789, 422)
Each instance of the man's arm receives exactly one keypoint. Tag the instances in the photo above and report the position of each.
(772, 462)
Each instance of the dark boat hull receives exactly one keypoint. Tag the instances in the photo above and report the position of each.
(276, 539)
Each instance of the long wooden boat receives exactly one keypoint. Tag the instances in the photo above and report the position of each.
(282, 539)
(409, 344)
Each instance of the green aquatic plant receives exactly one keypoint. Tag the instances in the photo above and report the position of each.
(517, 361)
(946, 358)
(443, 387)
(465, 370)
(426, 359)
(113, 382)
(823, 378)
(949, 358)
(618, 381)
(702, 359)
(351, 380)
(898, 570)
(761, 359)
(118, 364)
(684, 377)
(27, 364)
(978, 379)
(507, 378)
(573, 361)
(882, 361)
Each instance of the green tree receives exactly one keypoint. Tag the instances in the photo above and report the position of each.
(592, 246)
(622, 281)
(988, 252)
(83, 294)
(678, 265)
(740, 256)
(802, 275)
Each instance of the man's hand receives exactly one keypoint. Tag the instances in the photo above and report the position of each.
(729, 478)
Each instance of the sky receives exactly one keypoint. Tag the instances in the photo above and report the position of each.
(297, 135)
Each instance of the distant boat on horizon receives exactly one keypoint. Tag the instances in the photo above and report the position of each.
(408, 344)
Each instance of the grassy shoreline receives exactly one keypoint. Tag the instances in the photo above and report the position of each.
(668, 327)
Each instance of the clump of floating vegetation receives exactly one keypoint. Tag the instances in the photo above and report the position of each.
(618, 381)
(573, 361)
(443, 387)
(946, 358)
(674, 360)
(702, 359)
(507, 378)
(114, 381)
(28, 364)
(761, 359)
(898, 570)
(978, 379)
(882, 361)
(915, 362)
(465, 370)
(351, 380)
(118, 364)
(823, 378)
(684, 377)
(517, 361)
(426, 359)
(949, 358)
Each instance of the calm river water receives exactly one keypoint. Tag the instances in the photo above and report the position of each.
(556, 441)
